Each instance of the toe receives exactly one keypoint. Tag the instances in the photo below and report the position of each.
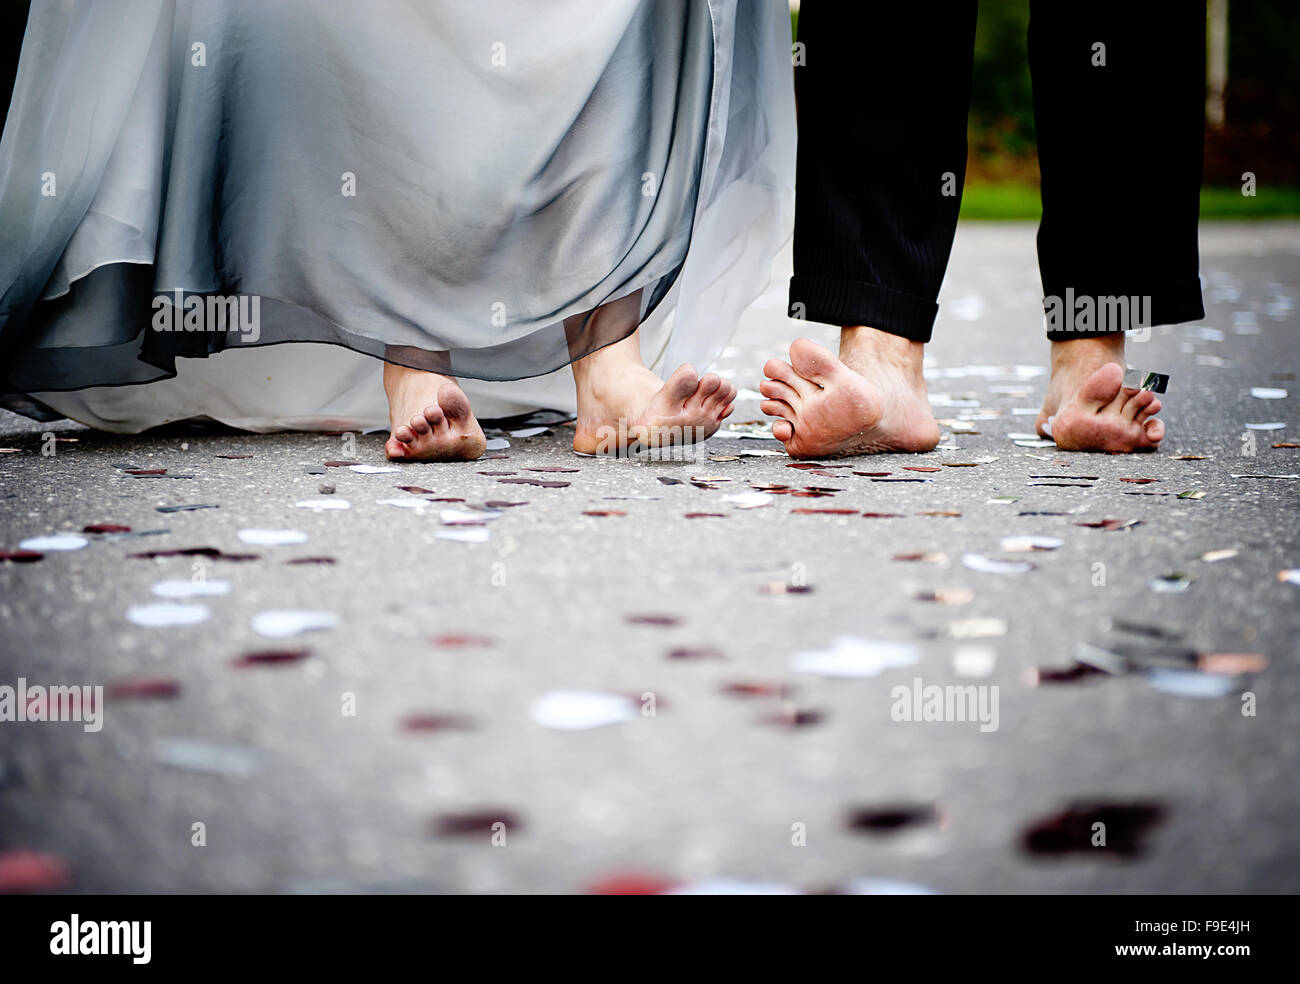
(681, 384)
(394, 448)
(419, 424)
(813, 361)
(784, 372)
(774, 389)
(453, 402)
(1155, 430)
(433, 416)
(1136, 404)
(731, 408)
(782, 430)
(1102, 387)
(404, 434)
(777, 408)
(1149, 411)
(709, 385)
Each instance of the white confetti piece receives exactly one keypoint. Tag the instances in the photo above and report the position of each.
(56, 542)
(989, 565)
(852, 657)
(191, 589)
(577, 710)
(1024, 544)
(201, 756)
(316, 505)
(1037, 443)
(749, 500)
(1289, 575)
(1212, 556)
(157, 616)
(974, 661)
(372, 469)
(977, 628)
(272, 538)
(529, 432)
(885, 886)
(732, 886)
(1171, 584)
(284, 622)
(493, 444)
(467, 534)
(1272, 425)
(410, 502)
(467, 517)
(1267, 393)
(1191, 683)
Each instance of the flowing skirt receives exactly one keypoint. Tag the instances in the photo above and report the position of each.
(185, 184)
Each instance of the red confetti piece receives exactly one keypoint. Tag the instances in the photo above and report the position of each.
(23, 871)
(876, 515)
(341, 464)
(922, 468)
(750, 688)
(271, 657)
(142, 688)
(437, 722)
(454, 641)
(414, 489)
(446, 500)
(630, 883)
(795, 718)
(105, 528)
(873, 474)
(503, 504)
(496, 474)
(821, 488)
(604, 512)
(805, 465)
(1140, 481)
(21, 556)
(698, 515)
(824, 512)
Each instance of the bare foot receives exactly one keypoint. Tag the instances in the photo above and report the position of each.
(869, 400)
(1088, 407)
(621, 402)
(429, 418)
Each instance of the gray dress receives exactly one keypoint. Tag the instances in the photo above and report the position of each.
(448, 185)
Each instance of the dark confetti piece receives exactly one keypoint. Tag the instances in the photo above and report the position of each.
(902, 480)
(123, 466)
(821, 488)
(414, 489)
(670, 481)
(146, 471)
(141, 688)
(821, 472)
(453, 640)
(880, 515)
(553, 468)
(21, 556)
(540, 483)
(795, 717)
(210, 552)
(105, 528)
(327, 490)
(604, 512)
(696, 652)
(323, 561)
(234, 457)
(187, 508)
(804, 494)
(700, 515)
(892, 818)
(1145, 629)
(660, 620)
(503, 504)
(445, 499)
(496, 474)
(271, 657)
(781, 588)
(1111, 524)
(478, 822)
(1071, 830)
(437, 722)
(756, 689)
(314, 470)
(1063, 485)
(873, 474)
(804, 511)
(1075, 478)
(1140, 481)
(1038, 512)
(805, 465)
(23, 871)
(1069, 674)
(340, 464)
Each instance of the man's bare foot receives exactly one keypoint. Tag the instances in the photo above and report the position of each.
(429, 418)
(871, 399)
(1088, 407)
(621, 402)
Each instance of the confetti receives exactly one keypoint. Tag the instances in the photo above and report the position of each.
(1265, 476)
(947, 596)
(693, 653)
(848, 656)
(749, 500)
(62, 541)
(977, 628)
(461, 640)
(469, 534)
(924, 558)
(1174, 582)
(1025, 544)
(282, 623)
(192, 507)
(157, 616)
(437, 722)
(372, 469)
(271, 657)
(604, 512)
(893, 818)
(664, 621)
(1190, 683)
(1267, 393)
(317, 505)
(105, 528)
(974, 661)
(190, 589)
(200, 756)
(272, 538)
(21, 556)
(23, 871)
(1073, 829)
(989, 565)
(1289, 576)
(1232, 664)
(212, 553)
(493, 444)
(1272, 425)
(144, 688)
(530, 432)
(1213, 556)
(577, 710)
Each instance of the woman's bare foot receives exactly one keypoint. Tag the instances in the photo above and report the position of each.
(621, 402)
(429, 418)
(871, 399)
(1088, 407)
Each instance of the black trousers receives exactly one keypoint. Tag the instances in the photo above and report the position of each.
(883, 97)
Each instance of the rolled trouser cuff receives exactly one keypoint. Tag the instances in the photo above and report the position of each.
(846, 303)
(1167, 304)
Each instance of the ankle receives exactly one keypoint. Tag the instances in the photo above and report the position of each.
(1088, 351)
(869, 350)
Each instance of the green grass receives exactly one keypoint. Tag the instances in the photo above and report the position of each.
(1020, 201)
